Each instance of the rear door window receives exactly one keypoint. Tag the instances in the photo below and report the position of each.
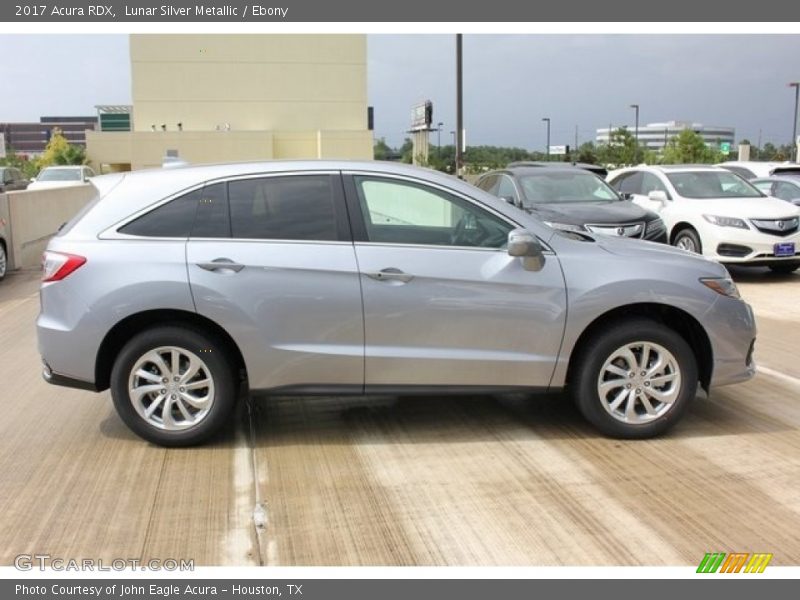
(298, 207)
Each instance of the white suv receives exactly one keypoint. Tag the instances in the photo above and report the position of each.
(716, 213)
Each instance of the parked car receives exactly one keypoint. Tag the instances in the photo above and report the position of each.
(716, 213)
(63, 176)
(12, 180)
(174, 286)
(596, 169)
(751, 169)
(783, 187)
(3, 248)
(573, 199)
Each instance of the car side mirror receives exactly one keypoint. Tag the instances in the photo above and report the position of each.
(658, 196)
(626, 195)
(509, 199)
(524, 244)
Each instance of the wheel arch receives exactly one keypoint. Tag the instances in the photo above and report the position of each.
(118, 335)
(678, 227)
(675, 318)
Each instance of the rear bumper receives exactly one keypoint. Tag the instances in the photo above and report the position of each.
(62, 380)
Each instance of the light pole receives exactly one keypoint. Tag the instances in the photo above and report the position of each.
(796, 86)
(547, 120)
(459, 107)
(439, 138)
(636, 135)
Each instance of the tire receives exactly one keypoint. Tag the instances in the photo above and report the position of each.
(3, 261)
(784, 268)
(688, 240)
(199, 404)
(676, 382)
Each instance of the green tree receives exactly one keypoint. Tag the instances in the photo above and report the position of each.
(587, 153)
(406, 151)
(620, 150)
(381, 150)
(60, 152)
(688, 147)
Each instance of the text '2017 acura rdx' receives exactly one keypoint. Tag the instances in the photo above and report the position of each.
(175, 287)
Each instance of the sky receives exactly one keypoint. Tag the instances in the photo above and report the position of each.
(510, 82)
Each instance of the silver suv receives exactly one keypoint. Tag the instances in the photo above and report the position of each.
(176, 287)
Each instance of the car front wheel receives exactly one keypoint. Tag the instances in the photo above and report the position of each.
(173, 386)
(687, 239)
(634, 379)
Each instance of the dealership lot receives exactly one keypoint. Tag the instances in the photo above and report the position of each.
(474, 480)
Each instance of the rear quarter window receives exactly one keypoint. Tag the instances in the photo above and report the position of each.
(171, 220)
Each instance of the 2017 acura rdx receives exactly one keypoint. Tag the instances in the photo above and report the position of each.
(175, 287)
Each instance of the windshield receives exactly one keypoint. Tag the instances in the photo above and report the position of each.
(712, 184)
(60, 175)
(564, 186)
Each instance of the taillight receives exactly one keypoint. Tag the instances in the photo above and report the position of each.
(58, 265)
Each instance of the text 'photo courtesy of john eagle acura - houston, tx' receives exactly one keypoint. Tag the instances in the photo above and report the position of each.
(177, 287)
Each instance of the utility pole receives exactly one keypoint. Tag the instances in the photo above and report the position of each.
(547, 120)
(796, 86)
(575, 151)
(459, 110)
(636, 135)
(439, 139)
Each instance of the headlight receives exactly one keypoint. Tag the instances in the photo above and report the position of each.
(565, 226)
(726, 221)
(721, 285)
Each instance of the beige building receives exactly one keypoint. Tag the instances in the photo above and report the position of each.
(220, 98)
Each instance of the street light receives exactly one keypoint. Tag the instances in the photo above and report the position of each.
(796, 86)
(547, 119)
(636, 135)
(439, 138)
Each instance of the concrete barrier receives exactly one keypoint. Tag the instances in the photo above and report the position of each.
(35, 216)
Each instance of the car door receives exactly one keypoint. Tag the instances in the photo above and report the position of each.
(444, 303)
(271, 259)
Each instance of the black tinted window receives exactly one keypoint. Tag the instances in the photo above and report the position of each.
(283, 208)
(212, 213)
(631, 184)
(173, 219)
(489, 184)
(741, 171)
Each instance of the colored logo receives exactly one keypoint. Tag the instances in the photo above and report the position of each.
(735, 562)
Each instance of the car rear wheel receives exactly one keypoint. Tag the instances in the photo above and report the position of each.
(634, 379)
(173, 386)
(3, 261)
(687, 239)
(784, 268)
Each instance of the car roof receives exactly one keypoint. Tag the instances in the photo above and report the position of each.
(671, 168)
(136, 190)
(532, 170)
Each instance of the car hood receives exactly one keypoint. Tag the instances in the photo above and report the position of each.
(641, 250)
(580, 213)
(750, 208)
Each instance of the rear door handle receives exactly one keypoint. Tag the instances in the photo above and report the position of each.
(221, 264)
(390, 274)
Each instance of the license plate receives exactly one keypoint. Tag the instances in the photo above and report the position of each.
(784, 249)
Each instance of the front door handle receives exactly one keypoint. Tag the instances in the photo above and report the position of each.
(221, 264)
(390, 274)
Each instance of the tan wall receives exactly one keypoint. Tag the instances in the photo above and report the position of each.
(253, 82)
(147, 149)
(35, 216)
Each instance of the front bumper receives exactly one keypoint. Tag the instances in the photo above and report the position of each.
(746, 246)
(731, 326)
